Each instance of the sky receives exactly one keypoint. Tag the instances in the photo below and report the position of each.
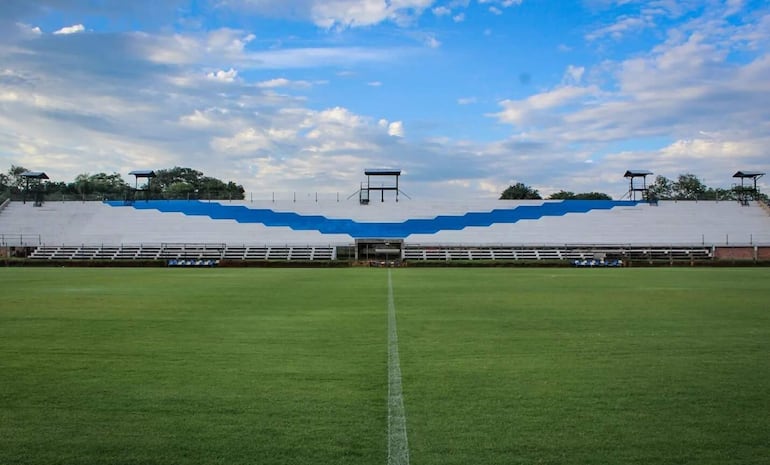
(466, 97)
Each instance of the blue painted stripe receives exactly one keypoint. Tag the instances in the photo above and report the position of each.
(356, 229)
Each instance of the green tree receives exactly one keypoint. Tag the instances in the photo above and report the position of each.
(661, 189)
(566, 195)
(592, 196)
(99, 185)
(15, 179)
(719, 194)
(562, 195)
(180, 190)
(181, 183)
(166, 177)
(520, 191)
(689, 187)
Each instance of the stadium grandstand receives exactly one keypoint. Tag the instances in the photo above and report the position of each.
(375, 227)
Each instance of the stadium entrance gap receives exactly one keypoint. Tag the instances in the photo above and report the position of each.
(379, 249)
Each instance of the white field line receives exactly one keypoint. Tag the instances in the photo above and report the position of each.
(398, 446)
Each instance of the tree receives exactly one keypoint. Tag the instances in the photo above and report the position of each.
(101, 185)
(165, 178)
(688, 187)
(662, 188)
(592, 196)
(182, 183)
(719, 194)
(15, 180)
(179, 190)
(566, 195)
(562, 195)
(520, 191)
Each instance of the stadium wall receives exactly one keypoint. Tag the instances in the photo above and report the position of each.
(728, 229)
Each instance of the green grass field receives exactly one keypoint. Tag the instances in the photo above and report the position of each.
(289, 366)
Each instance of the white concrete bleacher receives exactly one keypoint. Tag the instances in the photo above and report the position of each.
(98, 230)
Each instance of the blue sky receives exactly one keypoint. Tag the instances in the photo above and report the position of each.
(466, 96)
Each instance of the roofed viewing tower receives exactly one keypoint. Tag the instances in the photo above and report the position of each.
(34, 186)
(744, 192)
(391, 184)
(145, 189)
(643, 189)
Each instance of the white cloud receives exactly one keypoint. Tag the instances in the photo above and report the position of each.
(197, 119)
(458, 18)
(339, 14)
(466, 100)
(223, 76)
(502, 3)
(573, 74)
(495, 10)
(442, 11)
(733, 7)
(227, 47)
(273, 83)
(523, 112)
(621, 27)
(71, 29)
(431, 41)
(29, 31)
(253, 140)
(283, 82)
(396, 129)
(374, 83)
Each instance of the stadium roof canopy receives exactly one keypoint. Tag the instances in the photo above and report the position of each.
(143, 173)
(34, 175)
(748, 174)
(382, 172)
(636, 173)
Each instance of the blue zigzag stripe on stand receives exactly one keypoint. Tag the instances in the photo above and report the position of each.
(357, 230)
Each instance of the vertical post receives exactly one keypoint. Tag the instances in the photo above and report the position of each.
(397, 188)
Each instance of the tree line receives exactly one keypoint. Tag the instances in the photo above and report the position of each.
(523, 191)
(172, 183)
(685, 187)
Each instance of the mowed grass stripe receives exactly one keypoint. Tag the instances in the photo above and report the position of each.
(633, 366)
(191, 366)
(398, 444)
